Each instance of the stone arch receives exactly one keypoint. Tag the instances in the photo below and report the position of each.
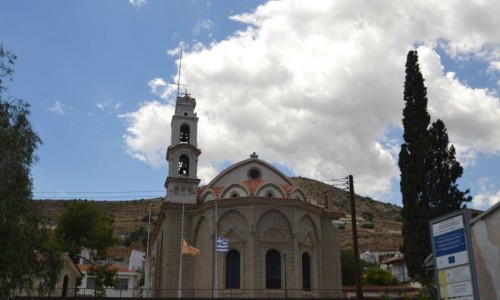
(208, 195)
(308, 233)
(234, 191)
(273, 225)
(233, 225)
(270, 190)
(298, 194)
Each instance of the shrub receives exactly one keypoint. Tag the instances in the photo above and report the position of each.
(377, 276)
(368, 225)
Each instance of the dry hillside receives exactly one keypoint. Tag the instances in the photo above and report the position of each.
(385, 218)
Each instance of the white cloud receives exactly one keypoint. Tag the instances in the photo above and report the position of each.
(148, 133)
(103, 105)
(495, 65)
(203, 26)
(58, 108)
(138, 3)
(109, 104)
(488, 195)
(317, 86)
(467, 112)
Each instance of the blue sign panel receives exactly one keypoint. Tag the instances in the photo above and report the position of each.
(450, 242)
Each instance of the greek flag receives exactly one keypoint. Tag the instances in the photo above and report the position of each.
(222, 244)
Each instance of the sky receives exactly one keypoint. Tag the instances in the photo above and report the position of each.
(313, 87)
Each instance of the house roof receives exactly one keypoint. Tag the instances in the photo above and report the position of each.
(394, 260)
(85, 268)
(485, 213)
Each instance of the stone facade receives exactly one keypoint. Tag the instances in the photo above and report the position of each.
(253, 226)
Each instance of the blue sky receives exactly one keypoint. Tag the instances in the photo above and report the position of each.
(315, 88)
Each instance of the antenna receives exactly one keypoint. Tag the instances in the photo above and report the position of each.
(178, 83)
(179, 74)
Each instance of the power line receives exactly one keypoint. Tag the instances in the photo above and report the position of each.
(117, 195)
(118, 192)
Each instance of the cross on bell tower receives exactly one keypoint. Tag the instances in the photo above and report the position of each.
(182, 154)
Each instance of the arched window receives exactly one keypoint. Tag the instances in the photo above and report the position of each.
(184, 134)
(184, 165)
(306, 272)
(273, 269)
(233, 269)
(65, 286)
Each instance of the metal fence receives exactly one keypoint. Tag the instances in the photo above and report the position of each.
(372, 292)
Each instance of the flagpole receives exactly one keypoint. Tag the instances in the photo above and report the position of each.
(215, 250)
(179, 291)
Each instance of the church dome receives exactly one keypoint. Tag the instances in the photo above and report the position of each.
(252, 177)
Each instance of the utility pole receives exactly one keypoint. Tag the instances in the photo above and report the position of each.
(357, 274)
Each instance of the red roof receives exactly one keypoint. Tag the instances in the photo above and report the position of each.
(394, 260)
(85, 268)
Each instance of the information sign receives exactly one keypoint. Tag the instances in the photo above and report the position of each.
(453, 256)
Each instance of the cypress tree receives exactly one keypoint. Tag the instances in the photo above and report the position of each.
(429, 171)
(444, 194)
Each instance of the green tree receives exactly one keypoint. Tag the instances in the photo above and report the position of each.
(82, 225)
(347, 266)
(377, 276)
(105, 276)
(428, 171)
(29, 257)
(445, 170)
(138, 235)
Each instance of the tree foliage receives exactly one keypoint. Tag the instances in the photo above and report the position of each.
(29, 257)
(347, 266)
(82, 225)
(378, 276)
(138, 235)
(105, 276)
(429, 171)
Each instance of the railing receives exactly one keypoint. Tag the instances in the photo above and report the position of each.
(369, 292)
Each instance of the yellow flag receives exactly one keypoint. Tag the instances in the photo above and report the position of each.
(186, 249)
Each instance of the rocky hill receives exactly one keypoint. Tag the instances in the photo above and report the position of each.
(379, 224)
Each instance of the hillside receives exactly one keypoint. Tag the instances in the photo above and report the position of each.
(385, 218)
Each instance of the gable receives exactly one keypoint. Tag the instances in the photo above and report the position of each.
(252, 169)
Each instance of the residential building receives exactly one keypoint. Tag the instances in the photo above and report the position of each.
(126, 285)
(486, 248)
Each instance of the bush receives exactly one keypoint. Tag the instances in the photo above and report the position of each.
(368, 225)
(138, 235)
(377, 276)
(368, 216)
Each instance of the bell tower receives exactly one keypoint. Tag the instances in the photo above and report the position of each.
(182, 154)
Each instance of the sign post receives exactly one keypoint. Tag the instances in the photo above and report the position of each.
(453, 257)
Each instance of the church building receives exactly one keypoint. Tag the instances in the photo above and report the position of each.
(249, 233)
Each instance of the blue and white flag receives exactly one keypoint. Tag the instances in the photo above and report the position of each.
(222, 244)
